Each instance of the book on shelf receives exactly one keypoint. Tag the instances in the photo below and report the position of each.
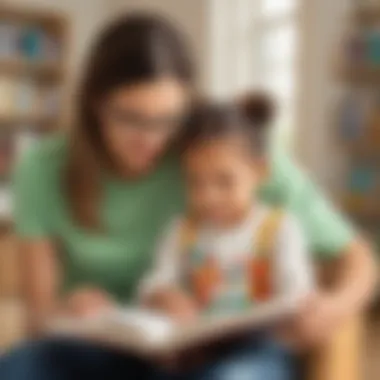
(9, 37)
(19, 41)
(25, 97)
(359, 120)
(7, 92)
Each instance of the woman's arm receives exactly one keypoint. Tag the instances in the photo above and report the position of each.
(331, 238)
(41, 287)
(41, 279)
(356, 277)
(325, 311)
(35, 197)
(329, 235)
(321, 312)
(33, 191)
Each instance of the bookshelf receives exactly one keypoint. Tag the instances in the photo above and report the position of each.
(33, 77)
(35, 69)
(359, 116)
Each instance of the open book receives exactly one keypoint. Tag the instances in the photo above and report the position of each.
(148, 333)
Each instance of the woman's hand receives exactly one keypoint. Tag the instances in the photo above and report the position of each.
(318, 317)
(175, 303)
(87, 302)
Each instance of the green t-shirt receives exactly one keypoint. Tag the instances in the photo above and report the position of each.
(134, 212)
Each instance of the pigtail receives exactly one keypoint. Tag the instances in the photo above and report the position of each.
(248, 118)
(258, 108)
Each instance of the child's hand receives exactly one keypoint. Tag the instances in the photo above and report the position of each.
(175, 303)
(317, 320)
(86, 302)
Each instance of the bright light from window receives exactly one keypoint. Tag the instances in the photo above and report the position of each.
(277, 51)
(281, 84)
(279, 45)
(277, 7)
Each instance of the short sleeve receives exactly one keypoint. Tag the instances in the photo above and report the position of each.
(31, 196)
(326, 230)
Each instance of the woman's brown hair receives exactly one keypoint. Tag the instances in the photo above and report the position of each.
(136, 48)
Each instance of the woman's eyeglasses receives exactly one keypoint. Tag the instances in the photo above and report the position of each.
(131, 120)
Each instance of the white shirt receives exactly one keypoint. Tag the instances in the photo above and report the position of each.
(292, 262)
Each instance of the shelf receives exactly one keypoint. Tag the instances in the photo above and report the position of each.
(6, 224)
(21, 121)
(360, 73)
(37, 69)
(55, 21)
(363, 149)
(367, 15)
(360, 208)
(364, 216)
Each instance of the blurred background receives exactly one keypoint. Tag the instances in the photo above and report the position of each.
(319, 58)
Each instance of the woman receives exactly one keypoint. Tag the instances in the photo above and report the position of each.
(89, 206)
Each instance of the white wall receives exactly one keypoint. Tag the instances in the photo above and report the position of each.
(323, 25)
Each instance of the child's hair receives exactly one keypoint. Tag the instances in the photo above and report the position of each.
(248, 118)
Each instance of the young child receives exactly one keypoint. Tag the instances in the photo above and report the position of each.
(229, 251)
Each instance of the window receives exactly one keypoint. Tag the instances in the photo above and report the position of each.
(276, 7)
(254, 45)
(275, 45)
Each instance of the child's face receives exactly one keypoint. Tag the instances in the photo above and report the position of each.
(222, 178)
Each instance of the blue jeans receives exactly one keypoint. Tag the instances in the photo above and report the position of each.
(67, 360)
(254, 360)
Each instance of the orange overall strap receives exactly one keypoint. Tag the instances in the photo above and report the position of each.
(261, 268)
(203, 277)
(265, 236)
